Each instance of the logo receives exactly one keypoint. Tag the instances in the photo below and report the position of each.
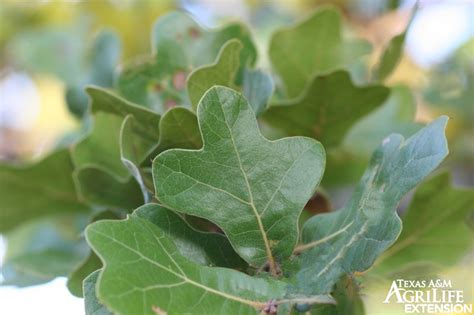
(428, 297)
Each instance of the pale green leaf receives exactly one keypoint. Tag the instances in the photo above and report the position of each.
(101, 148)
(311, 47)
(327, 109)
(435, 227)
(91, 303)
(90, 263)
(252, 188)
(352, 238)
(37, 190)
(43, 249)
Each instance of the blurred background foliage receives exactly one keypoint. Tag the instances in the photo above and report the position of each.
(50, 50)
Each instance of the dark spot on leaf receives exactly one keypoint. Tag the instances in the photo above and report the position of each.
(194, 33)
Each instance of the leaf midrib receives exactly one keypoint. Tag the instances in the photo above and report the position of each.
(182, 276)
(271, 260)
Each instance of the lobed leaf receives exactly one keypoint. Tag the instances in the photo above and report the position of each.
(312, 47)
(252, 188)
(327, 109)
(352, 238)
(34, 191)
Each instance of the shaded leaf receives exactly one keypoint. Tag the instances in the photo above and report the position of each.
(179, 129)
(312, 47)
(91, 262)
(43, 249)
(101, 188)
(211, 249)
(435, 227)
(92, 304)
(327, 109)
(252, 188)
(179, 45)
(123, 136)
(40, 189)
(101, 148)
(352, 238)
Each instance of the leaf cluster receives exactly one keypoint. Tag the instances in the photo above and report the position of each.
(192, 175)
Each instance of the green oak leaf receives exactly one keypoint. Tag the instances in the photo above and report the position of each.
(91, 303)
(327, 109)
(252, 188)
(90, 263)
(37, 190)
(312, 47)
(43, 249)
(352, 238)
(123, 136)
(179, 128)
(101, 147)
(257, 86)
(346, 164)
(435, 227)
(179, 45)
(144, 270)
(133, 151)
(99, 187)
(205, 248)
